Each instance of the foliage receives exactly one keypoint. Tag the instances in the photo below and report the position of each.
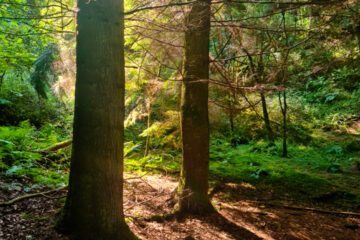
(43, 70)
(18, 156)
(331, 103)
(26, 29)
(19, 102)
(258, 163)
(164, 133)
(309, 51)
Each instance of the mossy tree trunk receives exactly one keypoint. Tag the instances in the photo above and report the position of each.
(193, 187)
(94, 206)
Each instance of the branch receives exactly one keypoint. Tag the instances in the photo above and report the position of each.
(302, 3)
(157, 7)
(56, 147)
(32, 195)
(354, 214)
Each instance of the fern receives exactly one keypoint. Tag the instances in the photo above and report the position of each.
(43, 70)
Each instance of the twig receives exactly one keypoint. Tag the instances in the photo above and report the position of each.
(136, 177)
(32, 195)
(354, 214)
(142, 202)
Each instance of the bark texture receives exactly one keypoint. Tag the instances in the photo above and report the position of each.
(94, 206)
(193, 187)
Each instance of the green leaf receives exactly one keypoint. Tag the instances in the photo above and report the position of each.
(4, 101)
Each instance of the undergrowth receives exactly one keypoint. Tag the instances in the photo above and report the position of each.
(308, 173)
(19, 153)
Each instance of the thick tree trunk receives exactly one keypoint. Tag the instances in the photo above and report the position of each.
(270, 133)
(94, 206)
(193, 187)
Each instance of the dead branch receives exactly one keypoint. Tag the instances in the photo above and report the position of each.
(353, 214)
(142, 202)
(33, 195)
(56, 147)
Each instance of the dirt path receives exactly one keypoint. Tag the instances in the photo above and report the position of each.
(238, 217)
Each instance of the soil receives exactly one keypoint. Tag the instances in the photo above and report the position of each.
(354, 128)
(241, 214)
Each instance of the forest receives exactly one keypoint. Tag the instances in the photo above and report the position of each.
(180, 119)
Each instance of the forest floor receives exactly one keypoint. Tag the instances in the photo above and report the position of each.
(245, 211)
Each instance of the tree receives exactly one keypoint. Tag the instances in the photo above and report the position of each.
(257, 70)
(193, 187)
(93, 208)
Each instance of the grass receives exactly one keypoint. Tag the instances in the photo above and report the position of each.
(308, 170)
(308, 173)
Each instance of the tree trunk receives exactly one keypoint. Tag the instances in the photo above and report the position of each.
(94, 206)
(283, 106)
(231, 103)
(2, 77)
(270, 133)
(147, 143)
(193, 187)
(285, 151)
(231, 120)
(357, 31)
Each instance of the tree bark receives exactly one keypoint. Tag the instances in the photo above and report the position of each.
(193, 186)
(94, 205)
